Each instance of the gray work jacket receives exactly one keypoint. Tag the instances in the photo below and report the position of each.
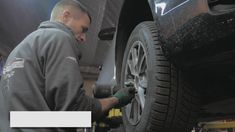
(42, 74)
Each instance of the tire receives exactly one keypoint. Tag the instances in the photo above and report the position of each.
(164, 101)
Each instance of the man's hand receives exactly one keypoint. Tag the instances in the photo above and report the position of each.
(121, 98)
(124, 96)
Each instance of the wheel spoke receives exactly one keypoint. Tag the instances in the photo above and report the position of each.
(141, 56)
(139, 53)
(128, 110)
(131, 67)
(131, 110)
(134, 56)
(143, 82)
(140, 109)
(139, 50)
(142, 64)
(135, 110)
(141, 97)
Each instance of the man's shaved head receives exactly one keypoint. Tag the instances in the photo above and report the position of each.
(58, 9)
(73, 15)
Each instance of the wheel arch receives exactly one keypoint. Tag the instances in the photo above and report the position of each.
(132, 13)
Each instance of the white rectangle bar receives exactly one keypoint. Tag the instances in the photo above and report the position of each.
(50, 119)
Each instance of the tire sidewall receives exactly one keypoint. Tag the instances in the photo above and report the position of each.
(142, 33)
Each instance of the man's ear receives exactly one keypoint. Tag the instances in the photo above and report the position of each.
(66, 15)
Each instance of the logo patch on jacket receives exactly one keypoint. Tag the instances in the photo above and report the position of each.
(72, 58)
(8, 70)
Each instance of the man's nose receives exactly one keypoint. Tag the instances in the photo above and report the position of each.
(82, 37)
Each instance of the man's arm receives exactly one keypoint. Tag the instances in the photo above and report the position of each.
(108, 103)
(121, 98)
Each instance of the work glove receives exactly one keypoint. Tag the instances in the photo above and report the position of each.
(124, 96)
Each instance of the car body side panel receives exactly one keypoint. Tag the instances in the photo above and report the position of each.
(190, 28)
(173, 15)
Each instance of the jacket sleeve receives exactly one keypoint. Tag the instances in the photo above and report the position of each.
(63, 82)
